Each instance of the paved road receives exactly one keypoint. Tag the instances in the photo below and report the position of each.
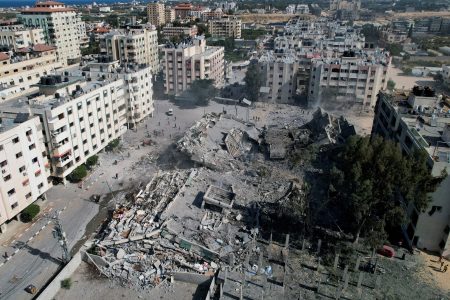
(35, 254)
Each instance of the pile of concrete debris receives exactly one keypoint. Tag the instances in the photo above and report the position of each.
(219, 139)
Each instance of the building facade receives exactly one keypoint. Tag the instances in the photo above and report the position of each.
(15, 39)
(421, 121)
(156, 13)
(183, 10)
(61, 27)
(191, 60)
(169, 31)
(23, 163)
(24, 68)
(137, 45)
(169, 15)
(225, 27)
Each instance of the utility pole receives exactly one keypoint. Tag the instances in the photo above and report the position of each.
(60, 235)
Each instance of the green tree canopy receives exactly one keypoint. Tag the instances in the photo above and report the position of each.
(391, 85)
(371, 179)
(253, 81)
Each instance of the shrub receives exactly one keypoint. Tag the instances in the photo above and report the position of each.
(92, 161)
(113, 144)
(66, 283)
(29, 213)
(78, 174)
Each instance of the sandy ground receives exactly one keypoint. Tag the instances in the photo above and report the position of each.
(431, 273)
(407, 82)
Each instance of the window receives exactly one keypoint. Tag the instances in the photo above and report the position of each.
(11, 192)
(34, 160)
(14, 205)
(32, 146)
(7, 177)
(15, 140)
(21, 169)
(40, 185)
(3, 163)
(18, 155)
(28, 195)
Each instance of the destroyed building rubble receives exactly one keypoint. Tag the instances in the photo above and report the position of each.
(206, 221)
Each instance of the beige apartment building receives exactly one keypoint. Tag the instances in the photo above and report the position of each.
(348, 80)
(170, 31)
(25, 170)
(61, 26)
(169, 14)
(421, 121)
(24, 68)
(18, 38)
(137, 45)
(225, 27)
(189, 61)
(156, 13)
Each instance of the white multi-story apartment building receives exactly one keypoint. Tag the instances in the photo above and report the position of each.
(25, 170)
(15, 38)
(79, 117)
(348, 80)
(225, 27)
(421, 121)
(24, 68)
(156, 13)
(138, 85)
(137, 44)
(189, 61)
(61, 26)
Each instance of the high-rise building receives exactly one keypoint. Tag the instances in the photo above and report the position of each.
(169, 14)
(191, 60)
(136, 44)
(170, 31)
(420, 121)
(60, 25)
(225, 27)
(156, 13)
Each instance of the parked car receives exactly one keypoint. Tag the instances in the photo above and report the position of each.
(386, 251)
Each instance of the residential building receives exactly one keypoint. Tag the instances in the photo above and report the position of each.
(198, 11)
(225, 27)
(138, 85)
(156, 13)
(348, 80)
(79, 117)
(212, 15)
(61, 26)
(227, 6)
(136, 44)
(191, 60)
(169, 31)
(446, 75)
(15, 38)
(20, 71)
(182, 10)
(421, 121)
(25, 169)
(169, 15)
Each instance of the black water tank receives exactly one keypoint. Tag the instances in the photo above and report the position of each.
(57, 95)
(58, 78)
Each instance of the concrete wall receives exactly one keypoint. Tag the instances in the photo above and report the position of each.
(52, 289)
(190, 277)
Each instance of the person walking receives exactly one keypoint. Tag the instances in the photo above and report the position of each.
(445, 268)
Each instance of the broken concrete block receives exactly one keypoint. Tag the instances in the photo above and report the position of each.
(120, 253)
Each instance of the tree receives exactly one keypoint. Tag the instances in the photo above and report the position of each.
(202, 90)
(78, 174)
(253, 81)
(371, 33)
(29, 213)
(370, 180)
(92, 161)
(112, 20)
(391, 85)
